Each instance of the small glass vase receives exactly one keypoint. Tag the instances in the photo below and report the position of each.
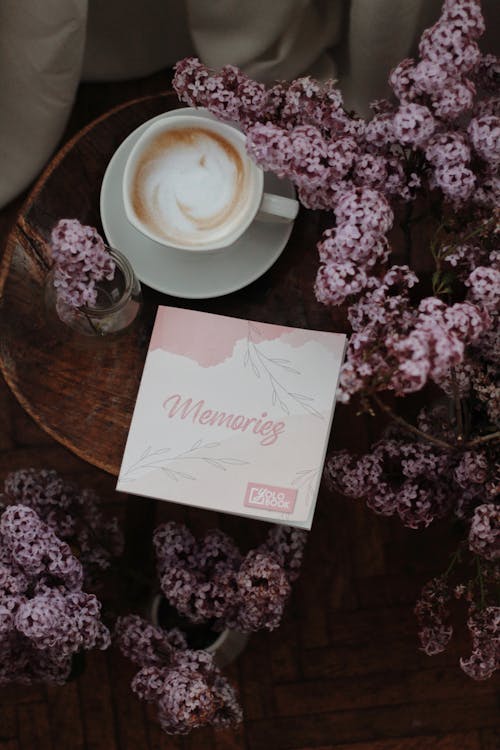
(118, 302)
(224, 646)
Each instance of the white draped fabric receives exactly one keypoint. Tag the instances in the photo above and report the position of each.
(48, 46)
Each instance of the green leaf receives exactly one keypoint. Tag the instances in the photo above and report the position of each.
(448, 278)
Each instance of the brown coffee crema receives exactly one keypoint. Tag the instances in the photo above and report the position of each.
(151, 180)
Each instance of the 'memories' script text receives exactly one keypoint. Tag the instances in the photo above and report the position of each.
(268, 430)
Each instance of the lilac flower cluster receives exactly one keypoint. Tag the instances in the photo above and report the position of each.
(402, 478)
(436, 93)
(211, 580)
(477, 376)
(421, 482)
(187, 687)
(484, 534)
(80, 260)
(433, 614)
(483, 283)
(45, 617)
(475, 475)
(484, 626)
(357, 244)
(484, 286)
(397, 347)
(231, 95)
(72, 513)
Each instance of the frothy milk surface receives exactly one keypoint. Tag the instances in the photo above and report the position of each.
(191, 186)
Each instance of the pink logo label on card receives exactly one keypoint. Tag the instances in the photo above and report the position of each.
(268, 497)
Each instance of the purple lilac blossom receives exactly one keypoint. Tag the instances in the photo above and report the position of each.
(472, 469)
(407, 479)
(429, 77)
(80, 260)
(45, 617)
(187, 687)
(484, 133)
(402, 80)
(363, 217)
(466, 15)
(446, 44)
(379, 132)
(433, 613)
(484, 534)
(413, 124)
(263, 589)
(36, 549)
(448, 148)
(403, 353)
(421, 483)
(288, 545)
(211, 580)
(145, 644)
(484, 285)
(484, 626)
(72, 513)
(454, 100)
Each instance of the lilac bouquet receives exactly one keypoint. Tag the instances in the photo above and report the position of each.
(45, 617)
(80, 260)
(427, 160)
(211, 580)
(72, 513)
(207, 582)
(91, 287)
(186, 686)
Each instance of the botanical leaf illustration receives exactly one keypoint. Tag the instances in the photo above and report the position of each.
(261, 363)
(306, 480)
(151, 460)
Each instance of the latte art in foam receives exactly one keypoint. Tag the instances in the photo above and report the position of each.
(191, 186)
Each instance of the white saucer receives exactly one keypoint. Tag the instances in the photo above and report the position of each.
(169, 270)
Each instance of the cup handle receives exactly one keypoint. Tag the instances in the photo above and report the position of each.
(277, 208)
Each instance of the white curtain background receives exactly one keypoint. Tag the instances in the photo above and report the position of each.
(48, 46)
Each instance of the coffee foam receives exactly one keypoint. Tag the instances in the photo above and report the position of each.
(191, 186)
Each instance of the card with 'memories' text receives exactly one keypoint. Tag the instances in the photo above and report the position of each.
(233, 415)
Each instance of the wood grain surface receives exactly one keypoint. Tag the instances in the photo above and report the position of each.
(343, 672)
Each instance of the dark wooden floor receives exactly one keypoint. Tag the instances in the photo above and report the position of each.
(343, 671)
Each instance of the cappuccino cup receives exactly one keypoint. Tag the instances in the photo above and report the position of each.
(189, 184)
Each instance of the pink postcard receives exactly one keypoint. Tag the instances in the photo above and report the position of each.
(233, 416)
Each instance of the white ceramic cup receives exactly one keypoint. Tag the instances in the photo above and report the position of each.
(254, 205)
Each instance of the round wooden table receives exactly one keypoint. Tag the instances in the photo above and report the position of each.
(80, 390)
